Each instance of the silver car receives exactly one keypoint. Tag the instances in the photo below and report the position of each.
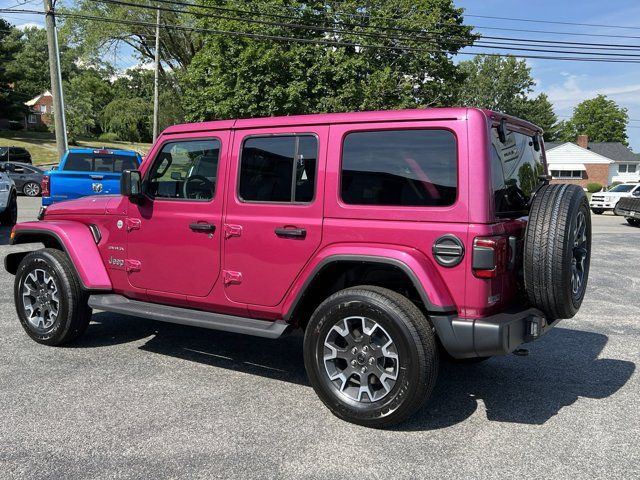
(8, 199)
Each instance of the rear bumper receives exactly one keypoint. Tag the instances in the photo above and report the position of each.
(495, 335)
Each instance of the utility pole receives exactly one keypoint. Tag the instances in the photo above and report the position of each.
(56, 78)
(156, 102)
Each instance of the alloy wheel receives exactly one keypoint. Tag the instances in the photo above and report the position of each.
(361, 359)
(40, 299)
(580, 260)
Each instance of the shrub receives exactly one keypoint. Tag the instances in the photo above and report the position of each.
(593, 187)
(109, 137)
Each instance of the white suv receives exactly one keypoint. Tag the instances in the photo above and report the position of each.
(602, 201)
(8, 199)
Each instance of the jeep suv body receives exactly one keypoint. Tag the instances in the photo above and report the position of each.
(262, 225)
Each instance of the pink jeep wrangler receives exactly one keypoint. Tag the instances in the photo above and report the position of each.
(391, 238)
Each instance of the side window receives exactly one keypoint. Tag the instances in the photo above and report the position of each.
(185, 170)
(278, 169)
(400, 167)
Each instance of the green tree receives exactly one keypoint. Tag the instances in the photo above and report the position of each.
(235, 76)
(128, 118)
(11, 105)
(30, 65)
(86, 96)
(600, 118)
(539, 111)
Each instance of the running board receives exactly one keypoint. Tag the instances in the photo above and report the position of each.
(184, 316)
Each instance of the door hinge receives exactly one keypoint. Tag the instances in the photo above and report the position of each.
(132, 224)
(232, 230)
(132, 265)
(232, 278)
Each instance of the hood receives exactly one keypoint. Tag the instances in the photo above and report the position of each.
(94, 205)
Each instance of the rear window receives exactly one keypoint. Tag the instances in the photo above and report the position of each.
(93, 162)
(516, 166)
(400, 168)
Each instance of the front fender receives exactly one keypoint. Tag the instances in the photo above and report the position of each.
(76, 240)
(415, 264)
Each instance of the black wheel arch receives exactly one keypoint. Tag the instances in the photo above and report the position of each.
(338, 272)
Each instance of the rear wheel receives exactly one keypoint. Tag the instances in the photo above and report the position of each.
(31, 189)
(371, 356)
(634, 222)
(557, 250)
(50, 303)
(9, 217)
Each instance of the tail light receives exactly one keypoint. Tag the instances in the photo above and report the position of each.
(44, 186)
(490, 256)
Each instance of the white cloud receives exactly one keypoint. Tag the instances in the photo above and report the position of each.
(576, 88)
(24, 26)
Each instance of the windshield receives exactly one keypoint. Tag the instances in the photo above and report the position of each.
(622, 188)
(516, 166)
(93, 162)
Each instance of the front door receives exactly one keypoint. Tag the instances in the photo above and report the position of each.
(273, 223)
(174, 232)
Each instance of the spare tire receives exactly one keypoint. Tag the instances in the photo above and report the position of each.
(557, 250)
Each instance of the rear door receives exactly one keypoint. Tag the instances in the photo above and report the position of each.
(273, 222)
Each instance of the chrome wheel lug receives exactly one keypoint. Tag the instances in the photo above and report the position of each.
(354, 350)
(363, 369)
(365, 349)
(354, 363)
(371, 360)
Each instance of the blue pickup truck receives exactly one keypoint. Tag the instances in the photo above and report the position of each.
(87, 171)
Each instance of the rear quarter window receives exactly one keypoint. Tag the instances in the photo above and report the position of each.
(399, 168)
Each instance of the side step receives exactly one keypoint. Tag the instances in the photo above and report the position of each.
(184, 316)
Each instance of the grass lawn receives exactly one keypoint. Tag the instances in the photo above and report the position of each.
(42, 145)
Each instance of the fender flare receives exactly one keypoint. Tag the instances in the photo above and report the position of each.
(444, 304)
(75, 239)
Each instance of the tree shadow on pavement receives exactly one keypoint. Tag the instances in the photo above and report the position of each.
(561, 367)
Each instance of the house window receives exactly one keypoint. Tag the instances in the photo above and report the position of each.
(567, 174)
(627, 168)
(32, 119)
(43, 109)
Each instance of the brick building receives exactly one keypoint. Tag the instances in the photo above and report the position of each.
(584, 162)
(40, 111)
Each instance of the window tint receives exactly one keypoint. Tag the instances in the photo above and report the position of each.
(400, 167)
(91, 162)
(516, 166)
(185, 170)
(278, 169)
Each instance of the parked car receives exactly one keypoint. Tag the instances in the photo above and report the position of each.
(391, 238)
(602, 201)
(26, 177)
(8, 199)
(87, 171)
(629, 208)
(15, 154)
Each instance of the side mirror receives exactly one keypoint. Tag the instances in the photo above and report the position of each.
(130, 184)
(176, 176)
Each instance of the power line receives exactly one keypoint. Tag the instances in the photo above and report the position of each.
(339, 43)
(529, 20)
(491, 45)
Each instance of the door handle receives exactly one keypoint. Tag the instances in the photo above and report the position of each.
(96, 177)
(284, 232)
(202, 227)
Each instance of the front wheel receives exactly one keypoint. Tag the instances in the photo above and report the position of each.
(634, 222)
(597, 211)
(50, 302)
(371, 356)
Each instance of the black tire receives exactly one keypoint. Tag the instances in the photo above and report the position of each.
(9, 217)
(597, 211)
(73, 312)
(634, 222)
(558, 233)
(31, 189)
(414, 342)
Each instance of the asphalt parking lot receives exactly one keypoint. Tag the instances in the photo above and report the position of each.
(141, 399)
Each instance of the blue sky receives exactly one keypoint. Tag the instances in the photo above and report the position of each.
(566, 83)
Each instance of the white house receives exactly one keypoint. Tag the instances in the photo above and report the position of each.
(600, 162)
